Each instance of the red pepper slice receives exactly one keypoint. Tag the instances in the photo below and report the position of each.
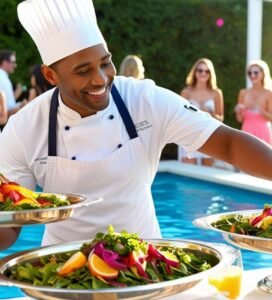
(14, 196)
(259, 218)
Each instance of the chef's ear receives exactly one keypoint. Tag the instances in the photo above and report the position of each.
(49, 74)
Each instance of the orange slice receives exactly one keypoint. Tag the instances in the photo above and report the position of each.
(76, 261)
(98, 267)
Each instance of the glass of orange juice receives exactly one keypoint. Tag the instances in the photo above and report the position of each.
(228, 279)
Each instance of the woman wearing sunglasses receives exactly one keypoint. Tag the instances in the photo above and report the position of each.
(202, 92)
(254, 107)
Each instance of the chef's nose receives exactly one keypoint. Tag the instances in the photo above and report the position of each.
(99, 77)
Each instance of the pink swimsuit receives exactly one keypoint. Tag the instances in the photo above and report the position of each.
(257, 125)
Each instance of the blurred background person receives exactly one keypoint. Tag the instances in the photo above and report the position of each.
(202, 92)
(3, 109)
(38, 83)
(132, 66)
(254, 105)
(7, 66)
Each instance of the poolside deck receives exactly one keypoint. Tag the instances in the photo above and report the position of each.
(226, 177)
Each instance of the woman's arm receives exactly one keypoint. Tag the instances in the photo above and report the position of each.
(32, 94)
(267, 113)
(3, 109)
(240, 106)
(219, 106)
(185, 93)
(240, 149)
(8, 236)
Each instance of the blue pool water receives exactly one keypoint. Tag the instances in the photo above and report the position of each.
(178, 201)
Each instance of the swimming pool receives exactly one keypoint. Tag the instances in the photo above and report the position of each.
(178, 201)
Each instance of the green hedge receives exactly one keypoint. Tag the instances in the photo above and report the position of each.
(171, 34)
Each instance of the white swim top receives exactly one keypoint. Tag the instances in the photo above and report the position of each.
(207, 104)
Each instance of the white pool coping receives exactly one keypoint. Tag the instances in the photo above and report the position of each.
(225, 177)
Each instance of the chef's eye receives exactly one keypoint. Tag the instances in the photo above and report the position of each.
(106, 64)
(83, 72)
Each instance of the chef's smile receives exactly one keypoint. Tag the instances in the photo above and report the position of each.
(99, 94)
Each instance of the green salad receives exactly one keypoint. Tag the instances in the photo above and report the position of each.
(256, 225)
(15, 197)
(113, 260)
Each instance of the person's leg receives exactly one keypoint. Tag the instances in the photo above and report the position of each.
(189, 160)
(207, 162)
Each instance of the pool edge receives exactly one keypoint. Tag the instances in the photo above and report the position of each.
(225, 177)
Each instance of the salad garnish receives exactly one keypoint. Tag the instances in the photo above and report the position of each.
(16, 197)
(113, 260)
(256, 225)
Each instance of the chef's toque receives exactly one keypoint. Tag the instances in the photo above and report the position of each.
(60, 27)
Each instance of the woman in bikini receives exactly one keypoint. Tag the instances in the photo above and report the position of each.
(202, 91)
(254, 105)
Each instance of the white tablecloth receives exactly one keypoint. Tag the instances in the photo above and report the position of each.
(203, 291)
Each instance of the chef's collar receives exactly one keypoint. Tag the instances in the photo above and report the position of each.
(69, 114)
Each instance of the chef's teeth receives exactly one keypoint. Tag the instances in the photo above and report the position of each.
(98, 93)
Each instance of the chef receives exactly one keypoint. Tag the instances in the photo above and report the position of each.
(101, 135)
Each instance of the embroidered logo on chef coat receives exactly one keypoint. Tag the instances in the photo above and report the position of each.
(143, 125)
(41, 160)
(190, 107)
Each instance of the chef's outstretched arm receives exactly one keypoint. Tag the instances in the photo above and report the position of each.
(240, 149)
(8, 236)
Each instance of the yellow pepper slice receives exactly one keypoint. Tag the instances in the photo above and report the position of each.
(23, 191)
(32, 202)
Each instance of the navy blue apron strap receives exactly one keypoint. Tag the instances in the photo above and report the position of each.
(131, 130)
(52, 134)
(52, 130)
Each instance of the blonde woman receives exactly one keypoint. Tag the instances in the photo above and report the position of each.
(202, 91)
(3, 109)
(132, 66)
(254, 105)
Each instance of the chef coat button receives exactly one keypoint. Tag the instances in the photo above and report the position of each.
(73, 158)
(111, 117)
(119, 146)
(67, 127)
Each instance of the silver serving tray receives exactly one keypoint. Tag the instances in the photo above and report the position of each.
(45, 215)
(224, 254)
(248, 242)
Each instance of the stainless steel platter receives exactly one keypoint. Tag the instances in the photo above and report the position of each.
(248, 242)
(254, 243)
(150, 291)
(45, 215)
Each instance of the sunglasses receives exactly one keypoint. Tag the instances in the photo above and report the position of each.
(203, 71)
(255, 73)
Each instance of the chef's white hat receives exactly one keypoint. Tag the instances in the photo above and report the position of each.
(60, 27)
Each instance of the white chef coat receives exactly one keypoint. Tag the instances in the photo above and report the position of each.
(160, 117)
(7, 89)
